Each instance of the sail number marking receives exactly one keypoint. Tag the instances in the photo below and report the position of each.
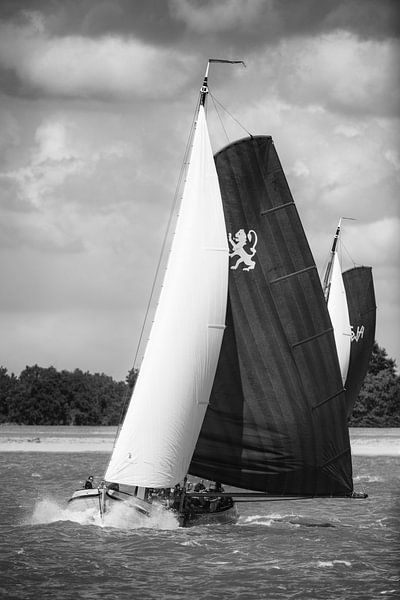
(357, 335)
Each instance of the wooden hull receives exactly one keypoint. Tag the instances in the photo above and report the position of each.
(225, 516)
(85, 499)
(90, 499)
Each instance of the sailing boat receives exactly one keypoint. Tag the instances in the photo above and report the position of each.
(240, 382)
(351, 303)
(169, 401)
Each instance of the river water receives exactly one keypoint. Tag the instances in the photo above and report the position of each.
(303, 549)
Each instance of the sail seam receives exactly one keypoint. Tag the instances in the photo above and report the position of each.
(292, 274)
(335, 395)
(270, 210)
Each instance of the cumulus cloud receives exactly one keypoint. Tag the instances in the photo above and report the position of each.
(256, 23)
(58, 153)
(52, 161)
(168, 21)
(86, 184)
(378, 243)
(109, 67)
(42, 205)
(10, 135)
(340, 72)
(220, 16)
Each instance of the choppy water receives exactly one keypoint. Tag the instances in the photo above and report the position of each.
(316, 549)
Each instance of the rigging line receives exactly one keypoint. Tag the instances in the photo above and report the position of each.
(128, 392)
(230, 114)
(342, 244)
(344, 248)
(324, 265)
(220, 118)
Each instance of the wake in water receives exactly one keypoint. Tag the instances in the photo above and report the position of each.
(277, 520)
(120, 516)
(367, 479)
(332, 563)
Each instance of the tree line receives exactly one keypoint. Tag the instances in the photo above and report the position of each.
(45, 396)
(378, 403)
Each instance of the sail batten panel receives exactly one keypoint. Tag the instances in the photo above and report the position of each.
(332, 397)
(313, 337)
(292, 274)
(172, 391)
(260, 430)
(279, 207)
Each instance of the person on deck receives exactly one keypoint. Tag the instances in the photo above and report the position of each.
(113, 486)
(200, 487)
(89, 483)
(176, 496)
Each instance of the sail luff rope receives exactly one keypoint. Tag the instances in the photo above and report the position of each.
(167, 230)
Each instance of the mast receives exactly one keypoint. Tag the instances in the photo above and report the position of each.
(328, 272)
(204, 87)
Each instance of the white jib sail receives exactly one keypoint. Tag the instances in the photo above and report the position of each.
(339, 313)
(167, 408)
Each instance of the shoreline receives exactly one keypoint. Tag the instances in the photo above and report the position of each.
(100, 439)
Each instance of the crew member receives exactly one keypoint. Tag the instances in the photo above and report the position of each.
(200, 487)
(89, 483)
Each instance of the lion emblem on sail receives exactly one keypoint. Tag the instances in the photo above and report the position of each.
(238, 243)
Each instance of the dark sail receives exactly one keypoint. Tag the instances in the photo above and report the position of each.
(276, 421)
(360, 295)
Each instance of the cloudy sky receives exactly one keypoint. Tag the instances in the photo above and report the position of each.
(97, 98)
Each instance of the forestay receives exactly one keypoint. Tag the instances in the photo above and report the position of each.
(170, 398)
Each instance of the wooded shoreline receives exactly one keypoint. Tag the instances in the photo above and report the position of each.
(45, 396)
